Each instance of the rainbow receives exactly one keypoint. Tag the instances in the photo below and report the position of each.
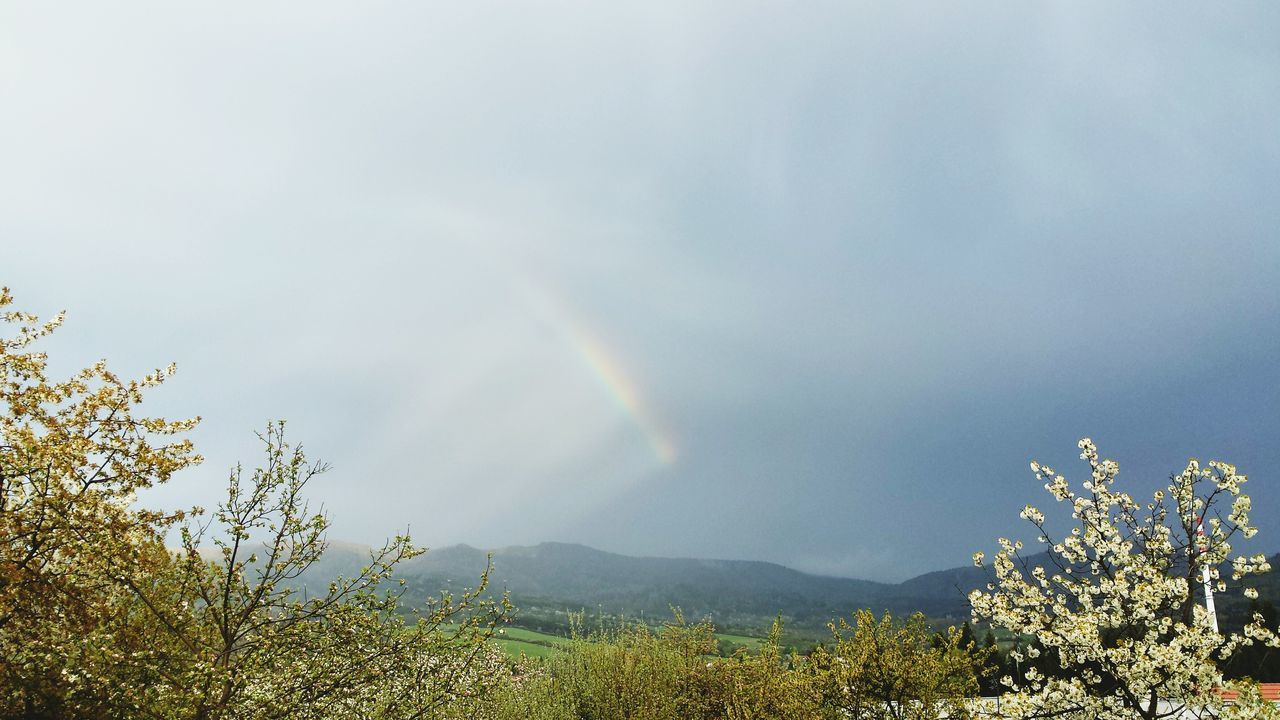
(605, 368)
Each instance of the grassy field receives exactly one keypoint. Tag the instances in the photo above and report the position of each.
(517, 641)
(751, 643)
(519, 648)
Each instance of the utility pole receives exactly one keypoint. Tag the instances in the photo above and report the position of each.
(1206, 576)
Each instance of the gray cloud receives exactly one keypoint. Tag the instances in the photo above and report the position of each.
(857, 263)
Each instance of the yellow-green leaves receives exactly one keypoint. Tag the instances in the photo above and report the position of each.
(882, 668)
(73, 454)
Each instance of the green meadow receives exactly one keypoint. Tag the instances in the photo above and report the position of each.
(518, 641)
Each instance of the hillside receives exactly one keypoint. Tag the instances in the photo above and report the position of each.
(549, 579)
(735, 593)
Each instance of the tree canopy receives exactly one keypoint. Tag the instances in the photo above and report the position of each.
(99, 618)
(1117, 607)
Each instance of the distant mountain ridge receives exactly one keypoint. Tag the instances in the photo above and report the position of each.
(556, 577)
(738, 593)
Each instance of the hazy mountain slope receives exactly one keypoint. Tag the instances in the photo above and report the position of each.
(560, 577)
(579, 576)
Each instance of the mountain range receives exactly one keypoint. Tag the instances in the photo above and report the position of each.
(549, 580)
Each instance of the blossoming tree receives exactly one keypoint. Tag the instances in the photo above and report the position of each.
(73, 454)
(100, 618)
(1116, 605)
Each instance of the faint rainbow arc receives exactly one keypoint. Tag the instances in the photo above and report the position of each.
(606, 370)
(615, 380)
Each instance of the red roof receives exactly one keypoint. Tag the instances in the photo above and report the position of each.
(1270, 691)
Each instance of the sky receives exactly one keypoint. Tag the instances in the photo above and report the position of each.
(802, 282)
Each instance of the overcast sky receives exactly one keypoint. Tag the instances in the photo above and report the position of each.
(802, 282)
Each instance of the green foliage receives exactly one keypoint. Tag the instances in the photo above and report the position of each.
(761, 685)
(529, 692)
(633, 672)
(898, 670)
(889, 669)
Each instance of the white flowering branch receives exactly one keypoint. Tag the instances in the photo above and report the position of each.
(1116, 613)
